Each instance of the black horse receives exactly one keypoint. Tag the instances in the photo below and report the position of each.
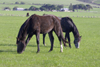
(68, 26)
(37, 25)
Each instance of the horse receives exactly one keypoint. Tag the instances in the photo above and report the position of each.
(36, 25)
(68, 26)
(27, 14)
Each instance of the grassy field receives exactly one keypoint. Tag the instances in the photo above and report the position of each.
(64, 2)
(93, 1)
(97, 2)
(88, 55)
(29, 3)
(91, 13)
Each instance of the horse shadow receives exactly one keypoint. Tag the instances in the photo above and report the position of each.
(7, 48)
(14, 46)
(41, 45)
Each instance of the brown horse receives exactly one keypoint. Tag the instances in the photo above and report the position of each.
(37, 25)
(68, 26)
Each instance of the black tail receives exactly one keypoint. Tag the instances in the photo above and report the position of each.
(58, 29)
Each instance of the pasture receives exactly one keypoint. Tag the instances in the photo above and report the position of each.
(37, 3)
(64, 2)
(88, 55)
(92, 13)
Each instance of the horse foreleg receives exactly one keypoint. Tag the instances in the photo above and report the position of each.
(28, 38)
(68, 36)
(44, 39)
(37, 38)
(51, 40)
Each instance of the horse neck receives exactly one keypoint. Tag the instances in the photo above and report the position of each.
(23, 32)
(22, 36)
(75, 32)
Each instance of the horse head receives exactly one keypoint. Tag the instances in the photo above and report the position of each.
(20, 45)
(77, 41)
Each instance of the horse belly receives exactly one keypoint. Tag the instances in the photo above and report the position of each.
(45, 29)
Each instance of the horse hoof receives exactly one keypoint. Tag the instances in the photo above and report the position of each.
(37, 51)
(44, 44)
(61, 51)
(70, 46)
(49, 50)
(65, 45)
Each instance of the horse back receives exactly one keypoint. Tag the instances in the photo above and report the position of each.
(43, 24)
(67, 24)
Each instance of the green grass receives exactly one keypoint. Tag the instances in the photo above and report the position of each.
(60, 14)
(64, 2)
(93, 1)
(97, 2)
(88, 55)
(43, 1)
(28, 3)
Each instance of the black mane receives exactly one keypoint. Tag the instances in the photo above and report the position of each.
(71, 27)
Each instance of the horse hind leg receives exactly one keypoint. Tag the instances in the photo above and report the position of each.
(61, 46)
(60, 37)
(51, 40)
(67, 36)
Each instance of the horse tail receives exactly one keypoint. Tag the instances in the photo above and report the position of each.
(58, 29)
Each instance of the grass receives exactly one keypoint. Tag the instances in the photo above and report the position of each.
(94, 1)
(28, 3)
(97, 2)
(60, 14)
(43, 1)
(88, 55)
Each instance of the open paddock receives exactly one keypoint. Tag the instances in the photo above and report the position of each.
(88, 55)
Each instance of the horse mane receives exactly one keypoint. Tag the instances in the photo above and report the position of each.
(68, 18)
(75, 30)
(23, 28)
(25, 25)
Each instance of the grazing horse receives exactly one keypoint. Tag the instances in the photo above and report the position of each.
(68, 26)
(27, 14)
(37, 25)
